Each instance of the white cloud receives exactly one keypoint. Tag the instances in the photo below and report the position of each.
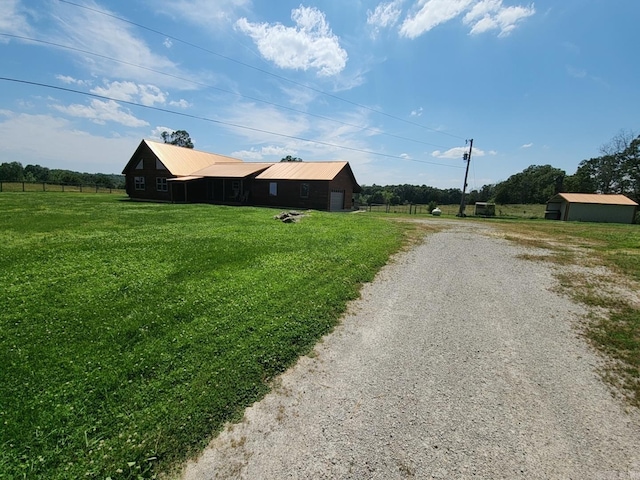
(417, 113)
(167, 43)
(310, 44)
(60, 145)
(482, 16)
(430, 14)
(458, 152)
(268, 151)
(405, 156)
(206, 13)
(66, 79)
(527, 145)
(385, 15)
(156, 133)
(182, 103)
(576, 72)
(111, 38)
(13, 20)
(492, 14)
(101, 112)
(248, 155)
(147, 95)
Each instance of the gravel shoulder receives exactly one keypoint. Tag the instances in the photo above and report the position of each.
(460, 360)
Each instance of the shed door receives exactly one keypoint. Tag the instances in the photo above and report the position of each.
(337, 201)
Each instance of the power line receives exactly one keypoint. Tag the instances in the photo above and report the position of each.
(266, 72)
(159, 72)
(220, 122)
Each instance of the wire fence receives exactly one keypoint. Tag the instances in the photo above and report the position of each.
(531, 211)
(56, 187)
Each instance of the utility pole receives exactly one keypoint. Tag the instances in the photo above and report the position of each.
(467, 158)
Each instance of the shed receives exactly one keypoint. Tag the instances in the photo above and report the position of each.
(586, 207)
(485, 209)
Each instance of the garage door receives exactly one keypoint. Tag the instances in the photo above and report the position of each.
(337, 201)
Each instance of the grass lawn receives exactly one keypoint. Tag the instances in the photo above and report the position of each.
(130, 332)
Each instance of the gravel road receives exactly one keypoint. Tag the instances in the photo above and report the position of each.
(459, 361)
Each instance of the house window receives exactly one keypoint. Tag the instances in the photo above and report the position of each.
(161, 184)
(273, 189)
(139, 183)
(304, 190)
(140, 165)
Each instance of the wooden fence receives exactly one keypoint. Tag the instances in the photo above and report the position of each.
(503, 211)
(56, 187)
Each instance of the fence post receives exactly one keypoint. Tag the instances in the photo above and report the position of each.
(23, 186)
(44, 188)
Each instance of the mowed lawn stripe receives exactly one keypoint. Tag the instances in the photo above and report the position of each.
(130, 332)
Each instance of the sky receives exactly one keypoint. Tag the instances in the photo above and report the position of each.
(397, 88)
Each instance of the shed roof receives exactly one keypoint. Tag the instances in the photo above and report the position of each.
(594, 198)
(184, 161)
(232, 170)
(302, 171)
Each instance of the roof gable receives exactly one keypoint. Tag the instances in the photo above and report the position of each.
(178, 161)
(595, 198)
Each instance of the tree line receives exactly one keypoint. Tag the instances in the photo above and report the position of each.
(15, 172)
(616, 170)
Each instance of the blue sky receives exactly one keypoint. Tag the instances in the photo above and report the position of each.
(393, 87)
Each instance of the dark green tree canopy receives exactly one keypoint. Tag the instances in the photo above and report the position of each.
(289, 158)
(535, 184)
(179, 138)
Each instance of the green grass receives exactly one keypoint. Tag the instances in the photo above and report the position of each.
(502, 211)
(614, 325)
(130, 332)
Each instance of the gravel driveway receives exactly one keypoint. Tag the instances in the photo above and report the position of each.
(459, 361)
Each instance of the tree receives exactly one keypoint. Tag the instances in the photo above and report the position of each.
(617, 170)
(289, 158)
(11, 172)
(36, 173)
(535, 184)
(179, 138)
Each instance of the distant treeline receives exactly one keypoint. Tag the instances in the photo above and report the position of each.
(423, 195)
(15, 172)
(617, 170)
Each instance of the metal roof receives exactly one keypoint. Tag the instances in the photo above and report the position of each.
(232, 170)
(185, 161)
(302, 171)
(595, 198)
(184, 179)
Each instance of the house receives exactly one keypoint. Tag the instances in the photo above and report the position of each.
(583, 207)
(163, 172)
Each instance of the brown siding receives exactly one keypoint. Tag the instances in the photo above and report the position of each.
(289, 194)
(150, 174)
(343, 182)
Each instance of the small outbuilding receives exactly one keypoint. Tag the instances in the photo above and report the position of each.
(485, 209)
(586, 207)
